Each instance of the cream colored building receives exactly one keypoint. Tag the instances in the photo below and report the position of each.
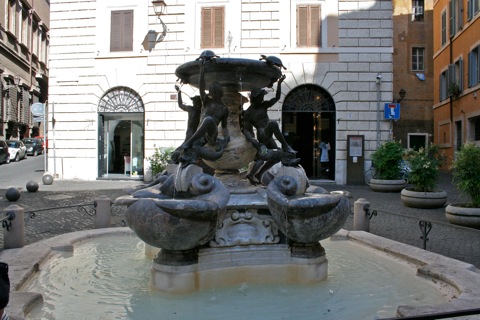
(111, 91)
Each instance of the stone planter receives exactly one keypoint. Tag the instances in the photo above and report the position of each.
(459, 214)
(380, 185)
(423, 200)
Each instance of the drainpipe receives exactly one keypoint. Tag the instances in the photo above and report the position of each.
(379, 79)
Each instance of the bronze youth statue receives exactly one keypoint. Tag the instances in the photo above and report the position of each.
(256, 116)
(215, 113)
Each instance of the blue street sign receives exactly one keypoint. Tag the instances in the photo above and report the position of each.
(392, 111)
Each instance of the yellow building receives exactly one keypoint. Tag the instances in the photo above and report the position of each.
(456, 56)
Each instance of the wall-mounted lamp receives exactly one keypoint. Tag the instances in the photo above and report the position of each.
(402, 94)
(159, 7)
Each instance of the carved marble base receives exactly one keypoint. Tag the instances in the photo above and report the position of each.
(256, 264)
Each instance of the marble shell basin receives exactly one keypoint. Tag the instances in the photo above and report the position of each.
(243, 74)
(169, 219)
(169, 231)
(310, 217)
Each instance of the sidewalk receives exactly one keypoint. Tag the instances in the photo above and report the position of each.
(393, 220)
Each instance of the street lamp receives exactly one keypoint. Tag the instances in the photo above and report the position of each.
(402, 94)
(159, 7)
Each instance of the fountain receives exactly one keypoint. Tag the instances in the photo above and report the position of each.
(221, 230)
(222, 239)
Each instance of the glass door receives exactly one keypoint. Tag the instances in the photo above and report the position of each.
(121, 146)
(136, 145)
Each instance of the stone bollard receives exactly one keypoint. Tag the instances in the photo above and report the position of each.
(15, 236)
(360, 220)
(103, 214)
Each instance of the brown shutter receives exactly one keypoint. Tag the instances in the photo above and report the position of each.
(128, 30)
(218, 28)
(121, 31)
(302, 30)
(315, 26)
(206, 28)
(213, 33)
(308, 26)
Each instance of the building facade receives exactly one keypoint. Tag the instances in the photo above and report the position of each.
(457, 74)
(24, 39)
(413, 72)
(112, 78)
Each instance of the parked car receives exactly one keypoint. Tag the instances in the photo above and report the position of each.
(34, 146)
(4, 154)
(17, 150)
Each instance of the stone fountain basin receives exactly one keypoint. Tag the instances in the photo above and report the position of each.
(463, 277)
(243, 74)
(175, 230)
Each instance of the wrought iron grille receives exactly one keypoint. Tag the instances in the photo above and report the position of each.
(309, 98)
(121, 99)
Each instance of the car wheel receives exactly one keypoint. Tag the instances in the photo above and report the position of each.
(35, 153)
(8, 160)
(17, 157)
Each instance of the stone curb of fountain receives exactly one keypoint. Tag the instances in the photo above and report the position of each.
(26, 261)
(457, 274)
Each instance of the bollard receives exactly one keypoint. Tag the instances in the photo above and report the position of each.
(360, 220)
(14, 234)
(103, 212)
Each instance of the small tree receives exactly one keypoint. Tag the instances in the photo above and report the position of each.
(424, 167)
(160, 159)
(466, 172)
(386, 160)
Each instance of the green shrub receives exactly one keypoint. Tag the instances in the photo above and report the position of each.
(466, 172)
(424, 167)
(160, 159)
(386, 160)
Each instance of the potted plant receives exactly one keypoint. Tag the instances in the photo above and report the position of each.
(425, 164)
(466, 179)
(387, 160)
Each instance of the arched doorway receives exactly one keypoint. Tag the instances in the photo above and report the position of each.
(309, 126)
(121, 134)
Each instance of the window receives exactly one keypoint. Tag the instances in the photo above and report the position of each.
(418, 55)
(444, 27)
(453, 17)
(473, 6)
(455, 78)
(474, 128)
(309, 29)
(443, 85)
(25, 28)
(474, 67)
(12, 17)
(456, 16)
(417, 10)
(213, 34)
(121, 31)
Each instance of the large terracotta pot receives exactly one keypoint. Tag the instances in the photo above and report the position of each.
(460, 214)
(423, 200)
(380, 185)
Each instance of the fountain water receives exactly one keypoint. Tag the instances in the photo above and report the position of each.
(94, 269)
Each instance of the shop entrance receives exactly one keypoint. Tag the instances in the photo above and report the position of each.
(121, 135)
(308, 124)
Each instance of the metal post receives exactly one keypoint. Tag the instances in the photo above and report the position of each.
(103, 212)
(360, 219)
(14, 233)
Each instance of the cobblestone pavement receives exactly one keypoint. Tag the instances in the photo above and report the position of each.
(393, 220)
